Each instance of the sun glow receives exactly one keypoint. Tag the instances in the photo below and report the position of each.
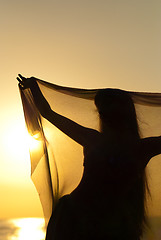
(34, 141)
(29, 228)
(15, 144)
(17, 141)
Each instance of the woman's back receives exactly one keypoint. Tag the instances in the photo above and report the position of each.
(111, 166)
(105, 204)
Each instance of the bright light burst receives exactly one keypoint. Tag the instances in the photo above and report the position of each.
(17, 140)
(34, 142)
(29, 228)
(15, 143)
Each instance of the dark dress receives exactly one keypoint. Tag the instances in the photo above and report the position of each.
(104, 205)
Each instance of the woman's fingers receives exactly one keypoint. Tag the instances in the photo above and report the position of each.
(20, 81)
(22, 77)
(25, 82)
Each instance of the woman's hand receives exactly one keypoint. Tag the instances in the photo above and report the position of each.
(41, 103)
(26, 82)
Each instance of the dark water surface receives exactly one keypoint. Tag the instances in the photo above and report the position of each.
(34, 229)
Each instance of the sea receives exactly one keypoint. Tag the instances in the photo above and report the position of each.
(22, 229)
(34, 229)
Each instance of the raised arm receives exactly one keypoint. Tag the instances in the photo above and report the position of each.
(82, 135)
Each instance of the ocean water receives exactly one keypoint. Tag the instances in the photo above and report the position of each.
(34, 229)
(22, 229)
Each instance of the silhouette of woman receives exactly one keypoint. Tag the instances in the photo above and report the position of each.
(109, 202)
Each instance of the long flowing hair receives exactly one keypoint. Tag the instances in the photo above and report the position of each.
(117, 111)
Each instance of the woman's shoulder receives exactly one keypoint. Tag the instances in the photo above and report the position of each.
(150, 146)
(95, 138)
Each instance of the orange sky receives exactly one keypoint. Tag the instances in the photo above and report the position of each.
(87, 43)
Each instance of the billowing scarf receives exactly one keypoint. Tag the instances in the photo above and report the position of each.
(57, 160)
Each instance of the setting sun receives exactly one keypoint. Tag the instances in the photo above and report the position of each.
(17, 141)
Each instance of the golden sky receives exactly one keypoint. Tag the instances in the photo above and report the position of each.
(87, 43)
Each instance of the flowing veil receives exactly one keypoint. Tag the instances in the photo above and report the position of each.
(57, 161)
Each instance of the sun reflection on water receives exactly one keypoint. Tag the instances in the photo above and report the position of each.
(29, 228)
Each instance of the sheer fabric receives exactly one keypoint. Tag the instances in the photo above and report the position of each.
(57, 161)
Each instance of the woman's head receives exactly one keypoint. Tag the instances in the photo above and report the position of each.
(116, 110)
